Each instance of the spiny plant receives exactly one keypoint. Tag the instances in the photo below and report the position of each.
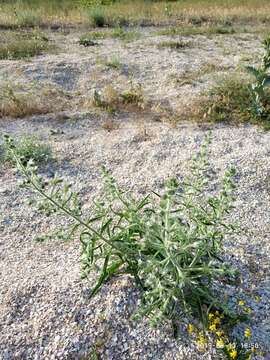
(260, 99)
(170, 243)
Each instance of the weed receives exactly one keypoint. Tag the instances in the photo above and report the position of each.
(28, 147)
(260, 97)
(171, 244)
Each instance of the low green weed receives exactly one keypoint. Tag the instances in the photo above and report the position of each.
(170, 243)
(28, 148)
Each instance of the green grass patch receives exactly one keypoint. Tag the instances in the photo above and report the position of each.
(196, 30)
(116, 33)
(15, 45)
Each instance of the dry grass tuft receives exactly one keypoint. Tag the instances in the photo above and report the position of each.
(18, 102)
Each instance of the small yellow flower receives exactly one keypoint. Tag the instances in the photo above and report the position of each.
(217, 312)
(213, 327)
(201, 342)
(241, 302)
(231, 346)
(257, 298)
(247, 332)
(210, 316)
(219, 333)
(220, 344)
(190, 328)
(216, 321)
(233, 354)
(247, 309)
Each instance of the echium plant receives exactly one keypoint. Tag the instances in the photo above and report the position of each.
(260, 99)
(170, 243)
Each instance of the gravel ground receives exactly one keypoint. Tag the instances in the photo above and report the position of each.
(45, 312)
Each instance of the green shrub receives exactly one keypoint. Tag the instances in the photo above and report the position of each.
(27, 147)
(171, 243)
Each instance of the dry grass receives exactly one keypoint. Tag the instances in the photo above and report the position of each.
(112, 100)
(18, 102)
(195, 12)
(189, 76)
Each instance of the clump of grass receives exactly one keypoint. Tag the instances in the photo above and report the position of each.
(170, 243)
(14, 45)
(134, 95)
(28, 148)
(113, 63)
(228, 101)
(125, 35)
(174, 45)
(112, 100)
(97, 17)
(16, 101)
